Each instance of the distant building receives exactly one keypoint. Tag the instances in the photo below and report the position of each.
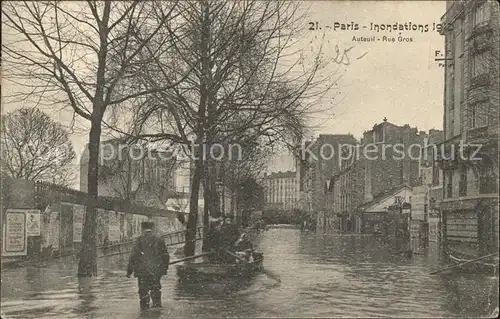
(427, 195)
(280, 190)
(471, 109)
(151, 178)
(315, 164)
(428, 187)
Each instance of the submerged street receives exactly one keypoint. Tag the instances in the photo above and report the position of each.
(321, 276)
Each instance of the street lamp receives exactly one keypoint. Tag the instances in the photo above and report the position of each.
(219, 190)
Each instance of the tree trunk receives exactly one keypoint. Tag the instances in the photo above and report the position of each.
(87, 266)
(192, 222)
(206, 220)
(199, 171)
(212, 196)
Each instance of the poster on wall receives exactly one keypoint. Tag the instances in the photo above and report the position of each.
(78, 215)
(33, 223)
(15, 239)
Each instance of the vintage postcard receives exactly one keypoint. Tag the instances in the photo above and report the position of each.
(250, 159)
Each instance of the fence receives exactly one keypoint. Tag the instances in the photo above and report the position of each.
(62, 212)
(171, 239)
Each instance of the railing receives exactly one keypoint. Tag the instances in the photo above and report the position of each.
(480, 80)
(479, 133)
(481, 28)
(171, 239)
(175, 238)
(179, 237)
(45, 193)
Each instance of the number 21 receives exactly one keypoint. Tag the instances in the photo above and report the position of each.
(313, 26)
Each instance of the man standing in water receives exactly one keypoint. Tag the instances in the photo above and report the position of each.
(148, 262)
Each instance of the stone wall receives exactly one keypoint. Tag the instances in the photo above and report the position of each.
(62, 212)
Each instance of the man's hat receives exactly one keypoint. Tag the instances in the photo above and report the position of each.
(147, 225)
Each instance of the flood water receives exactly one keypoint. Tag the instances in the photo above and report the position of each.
(321, 276)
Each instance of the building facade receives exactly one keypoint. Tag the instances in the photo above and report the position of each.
(280, 190)
(384, 164)
(469, 153)
(316, 163)
(136, 173)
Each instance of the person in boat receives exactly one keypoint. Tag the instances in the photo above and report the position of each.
(229, 235)
(148, 262)
(243, 243)
(244, 248)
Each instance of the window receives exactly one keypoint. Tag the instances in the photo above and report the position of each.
(480, 63)
(449, 185)
(460, 39)
(462, 79)
(462, 187)
(451, 85)
(487, 180)
(481, 14)
(378, 134)
(435, 174)
(479, 115)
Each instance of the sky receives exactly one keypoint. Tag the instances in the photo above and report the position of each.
(397, 80)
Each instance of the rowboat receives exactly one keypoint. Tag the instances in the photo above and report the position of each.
(209, 271)
(475, 267)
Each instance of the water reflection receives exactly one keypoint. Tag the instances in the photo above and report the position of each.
(321, 275)
(469, 295)
(87, 296)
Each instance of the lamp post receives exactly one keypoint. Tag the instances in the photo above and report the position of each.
(218, 189)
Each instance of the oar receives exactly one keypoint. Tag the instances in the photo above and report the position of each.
(237, 257)
(267, 272)
(189, 258)
(461, 264)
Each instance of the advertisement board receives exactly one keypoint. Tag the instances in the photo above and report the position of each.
(33, 223)
(15, 240)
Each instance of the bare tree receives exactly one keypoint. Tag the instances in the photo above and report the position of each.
(81, 54)
(34, 147)
(245, 82)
